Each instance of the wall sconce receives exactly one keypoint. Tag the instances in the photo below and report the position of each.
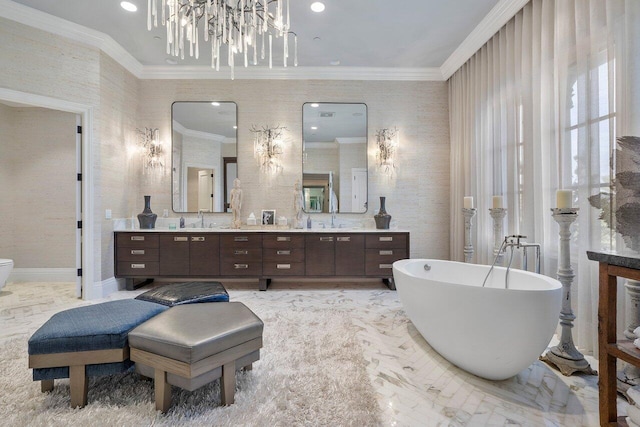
(152, 151)
(268, 148)
(387, 145)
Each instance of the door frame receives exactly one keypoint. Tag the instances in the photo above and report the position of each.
(86, 112)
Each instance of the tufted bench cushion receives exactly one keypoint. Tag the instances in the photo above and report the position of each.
(86, 341)
(186, 293)
(191, 345)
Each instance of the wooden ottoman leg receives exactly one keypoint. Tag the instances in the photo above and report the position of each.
(162, 391)
(228, 383)
(46, 385)
(78, 385)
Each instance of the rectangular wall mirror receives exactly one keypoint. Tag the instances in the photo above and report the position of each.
(203, 155)
(334, 157)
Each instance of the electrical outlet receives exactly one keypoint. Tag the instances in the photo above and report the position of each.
(107, 214)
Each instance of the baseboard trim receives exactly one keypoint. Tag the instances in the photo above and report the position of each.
(43, 275)
(107, 287)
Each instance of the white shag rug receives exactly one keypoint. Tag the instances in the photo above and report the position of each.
(311, 372)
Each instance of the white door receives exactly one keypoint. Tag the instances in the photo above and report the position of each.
(78, 205)
(205, 190)
(359, 190)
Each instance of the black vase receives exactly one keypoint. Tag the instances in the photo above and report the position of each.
(382, 218)
(147, 218)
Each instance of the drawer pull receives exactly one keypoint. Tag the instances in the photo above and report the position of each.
(137, 251)
(344, 239)
(386, 252)
(180, 239)
(197, 239)
(137, 238)
(385, 239)
(241, 239)
(240, 266)
(283, 266)
(326, 239)
(138, 266)
(241, 252)
(385, 266)
(283, 238)
(283, 252)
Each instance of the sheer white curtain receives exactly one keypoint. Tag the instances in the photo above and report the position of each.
(538, 108)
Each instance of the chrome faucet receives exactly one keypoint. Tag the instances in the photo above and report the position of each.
(201, 217)
(514, 242)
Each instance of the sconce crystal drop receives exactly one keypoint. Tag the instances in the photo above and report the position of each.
(268, 148)
(387, 146)
(151, 148)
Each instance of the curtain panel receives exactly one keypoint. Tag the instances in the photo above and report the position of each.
(536, 109)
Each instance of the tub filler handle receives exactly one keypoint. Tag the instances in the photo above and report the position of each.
(427, 267)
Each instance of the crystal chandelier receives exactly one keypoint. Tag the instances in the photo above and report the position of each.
(387, 145)
(245, 26)
(268, 148)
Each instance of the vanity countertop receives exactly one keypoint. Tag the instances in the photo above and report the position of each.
(621, 259)
(259, 229)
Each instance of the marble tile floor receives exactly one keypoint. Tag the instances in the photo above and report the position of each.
(414, 384)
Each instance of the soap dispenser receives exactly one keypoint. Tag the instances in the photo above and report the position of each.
(181, 222)
(308, 221)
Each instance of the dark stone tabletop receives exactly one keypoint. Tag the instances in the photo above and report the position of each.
(621, 259)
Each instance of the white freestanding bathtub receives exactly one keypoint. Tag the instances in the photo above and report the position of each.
(491, 332)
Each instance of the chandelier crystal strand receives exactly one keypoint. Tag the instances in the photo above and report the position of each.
(236, 23)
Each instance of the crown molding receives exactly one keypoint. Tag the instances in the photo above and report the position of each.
(198, 134)
(293, 73)
(501, 13)
(52, 24)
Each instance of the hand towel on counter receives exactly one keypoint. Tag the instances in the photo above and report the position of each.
(633, 412)
(636, 342)
(634, 394)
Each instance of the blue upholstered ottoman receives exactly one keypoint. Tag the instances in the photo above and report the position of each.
(86, 341)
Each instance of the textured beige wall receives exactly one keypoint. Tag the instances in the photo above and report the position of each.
(36, 62)
(40, 179)
(417, 198)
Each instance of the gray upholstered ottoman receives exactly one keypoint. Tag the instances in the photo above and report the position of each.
(191, 345)
(86, 341)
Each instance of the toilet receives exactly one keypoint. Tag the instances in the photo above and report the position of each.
(6, 265)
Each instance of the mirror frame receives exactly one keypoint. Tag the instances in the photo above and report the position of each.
(225, 160)
(366, 167)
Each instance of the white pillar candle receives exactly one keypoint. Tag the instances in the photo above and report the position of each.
(468, 202)
(564, 199)
(497, 202)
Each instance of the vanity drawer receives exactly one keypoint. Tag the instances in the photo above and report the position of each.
(283, 269)
(132, 268)
(283, 255)
(379, 261)
(240, 268)
(240, 240)
(283, 241)
(241, 254)
(137, 254)
(386, 240)
(137, 240)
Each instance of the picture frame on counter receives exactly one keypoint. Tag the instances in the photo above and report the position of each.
(268, 217)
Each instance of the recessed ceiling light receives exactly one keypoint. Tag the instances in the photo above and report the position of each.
(128, 6)
(317, 6)
(314, 127)
(336, 62)
(315, 105)
(215, 104)
(171, 61)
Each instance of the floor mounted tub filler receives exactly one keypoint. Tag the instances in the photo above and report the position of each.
(492, 331)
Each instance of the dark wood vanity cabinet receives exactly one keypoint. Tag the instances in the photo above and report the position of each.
(241, 254)
(261, 255)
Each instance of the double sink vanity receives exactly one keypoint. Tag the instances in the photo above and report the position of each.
(261, 254)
